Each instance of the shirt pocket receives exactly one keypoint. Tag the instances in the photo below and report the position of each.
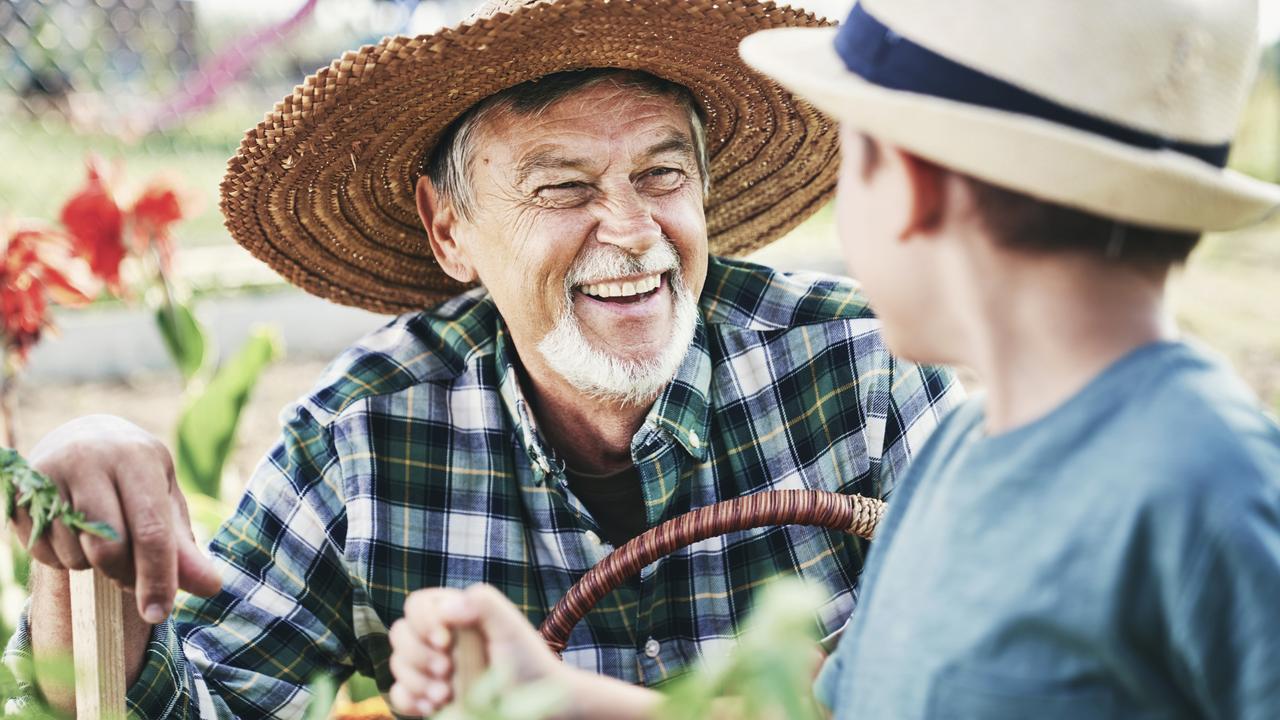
(974, 695)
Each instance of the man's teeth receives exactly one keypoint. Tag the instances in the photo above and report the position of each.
(623, 289)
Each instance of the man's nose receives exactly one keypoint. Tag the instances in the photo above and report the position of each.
(626, 221)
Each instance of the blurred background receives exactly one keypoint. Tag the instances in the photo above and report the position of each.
(166, 88)
(202, 345)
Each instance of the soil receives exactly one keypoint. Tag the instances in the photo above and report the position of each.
(153, 402)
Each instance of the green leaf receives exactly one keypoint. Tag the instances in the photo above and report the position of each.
(23, 486)
(207, 428)
(768, 675)
(323, 692)
(208, 513)
(361, 687)
(183, 338)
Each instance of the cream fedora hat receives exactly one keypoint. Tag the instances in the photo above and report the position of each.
(1122, 108)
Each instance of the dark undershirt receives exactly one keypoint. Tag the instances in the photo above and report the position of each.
(615, 501)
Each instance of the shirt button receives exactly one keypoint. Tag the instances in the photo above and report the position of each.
(593, 538)
(652, 648)
(694, 440)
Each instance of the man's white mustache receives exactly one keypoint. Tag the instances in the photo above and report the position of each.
(600, 265)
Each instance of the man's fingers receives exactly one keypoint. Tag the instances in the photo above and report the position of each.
(111, 557)
(41, 551)
(66, 546)
(20, 523)
(197, 574)
(155, 546)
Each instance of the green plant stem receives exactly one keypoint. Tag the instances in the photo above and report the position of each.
(23, 486)
(8, 383)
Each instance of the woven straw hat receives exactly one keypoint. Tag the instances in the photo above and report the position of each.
(1123, 109)
(323, 189)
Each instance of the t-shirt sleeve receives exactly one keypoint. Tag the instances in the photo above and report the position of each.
(1225, 610)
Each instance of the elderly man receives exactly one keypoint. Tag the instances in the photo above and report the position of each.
(609, 373)
(1098, 536)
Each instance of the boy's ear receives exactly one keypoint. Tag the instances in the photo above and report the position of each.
(441, 222)
(928, 197)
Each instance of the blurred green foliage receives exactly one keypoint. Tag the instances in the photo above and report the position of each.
(207, 428)
(767, 676)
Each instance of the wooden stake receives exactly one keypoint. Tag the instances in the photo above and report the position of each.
(97, 630)
(468, 661)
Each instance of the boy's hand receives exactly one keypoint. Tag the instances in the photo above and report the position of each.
(421, 642)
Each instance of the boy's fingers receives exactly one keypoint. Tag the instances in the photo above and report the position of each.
(422, 658)
(411, 677)
(422, 610)
(406, 702)
(496, 615)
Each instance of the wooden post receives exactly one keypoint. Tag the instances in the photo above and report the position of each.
(97, 629)
(468, 661)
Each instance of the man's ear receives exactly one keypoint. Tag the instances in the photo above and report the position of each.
(440, 220)
(928, 195)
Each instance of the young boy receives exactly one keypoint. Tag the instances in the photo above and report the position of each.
(1098, 536)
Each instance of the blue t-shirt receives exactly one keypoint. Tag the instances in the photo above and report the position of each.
(1117, 558)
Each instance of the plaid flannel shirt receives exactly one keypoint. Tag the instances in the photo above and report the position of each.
(417, 463)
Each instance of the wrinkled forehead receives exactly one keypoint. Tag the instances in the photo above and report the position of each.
(604, 112)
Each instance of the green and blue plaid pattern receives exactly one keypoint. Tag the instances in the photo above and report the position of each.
(417, 463)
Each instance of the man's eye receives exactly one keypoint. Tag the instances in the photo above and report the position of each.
(663, 178)
(564, 193)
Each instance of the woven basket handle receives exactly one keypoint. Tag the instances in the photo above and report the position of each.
(853, 514)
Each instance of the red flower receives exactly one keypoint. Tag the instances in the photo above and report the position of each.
(96, 224)
(153, 213)
(38, 266)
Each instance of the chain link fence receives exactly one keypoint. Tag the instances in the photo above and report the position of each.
(163, 87)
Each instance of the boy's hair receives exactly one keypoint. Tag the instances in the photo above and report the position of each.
(1021, 222)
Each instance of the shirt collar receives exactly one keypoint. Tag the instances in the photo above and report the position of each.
(542, 458)
(683, 409)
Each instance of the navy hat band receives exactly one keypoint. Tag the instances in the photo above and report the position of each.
(882, 57)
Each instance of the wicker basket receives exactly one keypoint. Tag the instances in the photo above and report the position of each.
(853, 514)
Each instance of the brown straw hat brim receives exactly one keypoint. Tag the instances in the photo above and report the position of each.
(322, 189)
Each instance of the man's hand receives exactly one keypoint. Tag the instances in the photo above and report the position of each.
(117, 473)
(421, 642)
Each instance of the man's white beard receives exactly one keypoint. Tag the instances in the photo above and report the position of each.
(626, 381)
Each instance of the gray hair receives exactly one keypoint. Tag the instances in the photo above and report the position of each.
(448, 164)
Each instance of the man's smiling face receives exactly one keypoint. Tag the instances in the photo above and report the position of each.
(588, 230)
